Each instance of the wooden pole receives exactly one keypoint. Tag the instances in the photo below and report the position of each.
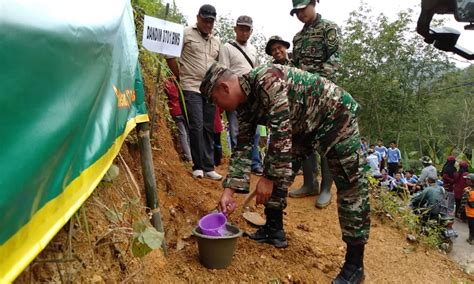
(149, 180)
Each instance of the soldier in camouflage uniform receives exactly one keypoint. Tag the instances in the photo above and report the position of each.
(304, 111)
(316, 50)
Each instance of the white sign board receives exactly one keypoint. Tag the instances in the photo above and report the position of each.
(162, 36)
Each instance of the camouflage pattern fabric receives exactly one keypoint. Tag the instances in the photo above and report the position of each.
(316, 48)
(286, 62)
(210, 79)
(299, 4)
(304, 112)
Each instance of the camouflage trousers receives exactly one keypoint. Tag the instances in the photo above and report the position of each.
(348, 169)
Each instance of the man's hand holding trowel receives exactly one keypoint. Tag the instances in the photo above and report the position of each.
(263, 191)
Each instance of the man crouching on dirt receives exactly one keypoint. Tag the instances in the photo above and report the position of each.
(303, 112)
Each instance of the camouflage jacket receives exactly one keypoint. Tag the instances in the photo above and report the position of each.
(316, 48)
(303, 111)
(287, 62)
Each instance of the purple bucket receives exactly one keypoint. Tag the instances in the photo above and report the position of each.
(213, 224)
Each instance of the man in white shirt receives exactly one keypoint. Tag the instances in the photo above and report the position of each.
(200, 50)
(428, 171)
(373, 162)
(240, 57)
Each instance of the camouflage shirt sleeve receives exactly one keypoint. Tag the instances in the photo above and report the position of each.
(274, 93)
(268, 104)
(238, 176)
(332, 35)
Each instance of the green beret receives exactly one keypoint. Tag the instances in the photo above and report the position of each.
(210, 78)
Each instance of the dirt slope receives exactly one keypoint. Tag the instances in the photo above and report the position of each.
(314, 255)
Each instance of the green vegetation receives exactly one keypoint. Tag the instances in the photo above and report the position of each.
(392, 208)
(409, 91)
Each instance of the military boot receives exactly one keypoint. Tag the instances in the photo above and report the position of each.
(310, 187)
(272, 232)
(324, 198)
(352, 271)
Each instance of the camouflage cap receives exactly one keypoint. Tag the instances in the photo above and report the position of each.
(426, 160)
(300, 4)
(210, 78)
(272, 40)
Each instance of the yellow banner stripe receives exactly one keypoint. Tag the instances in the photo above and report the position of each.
(32, 238)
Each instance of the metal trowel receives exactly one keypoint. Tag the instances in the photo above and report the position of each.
(251, 217)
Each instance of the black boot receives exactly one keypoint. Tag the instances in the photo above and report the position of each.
(352, 271)
(272, 232)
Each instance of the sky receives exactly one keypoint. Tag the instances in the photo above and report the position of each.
(272, 17)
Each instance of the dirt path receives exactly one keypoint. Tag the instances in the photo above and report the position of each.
(315, 253)
(463, 253)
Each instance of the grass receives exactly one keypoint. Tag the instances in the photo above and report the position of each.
(392, 208)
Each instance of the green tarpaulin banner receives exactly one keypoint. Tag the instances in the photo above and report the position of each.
(70, 92)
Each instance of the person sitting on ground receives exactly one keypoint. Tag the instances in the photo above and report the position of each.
(385, 180)
(411, 180)
(429, 201)
(398, 184)
(459, 186)
(468, 202)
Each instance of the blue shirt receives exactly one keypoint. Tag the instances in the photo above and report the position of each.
(379, 156)
(394, 155)
(413, 179)
(382, 150)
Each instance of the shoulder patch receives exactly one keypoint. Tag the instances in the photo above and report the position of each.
(331, 36)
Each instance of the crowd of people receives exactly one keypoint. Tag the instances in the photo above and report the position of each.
(450, 188)
(303, 122)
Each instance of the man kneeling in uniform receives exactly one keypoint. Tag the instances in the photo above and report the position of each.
(303, 112)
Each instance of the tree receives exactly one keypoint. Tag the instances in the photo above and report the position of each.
(390, 72)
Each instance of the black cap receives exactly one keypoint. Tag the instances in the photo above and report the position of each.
(207, 12)
(244, 21)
